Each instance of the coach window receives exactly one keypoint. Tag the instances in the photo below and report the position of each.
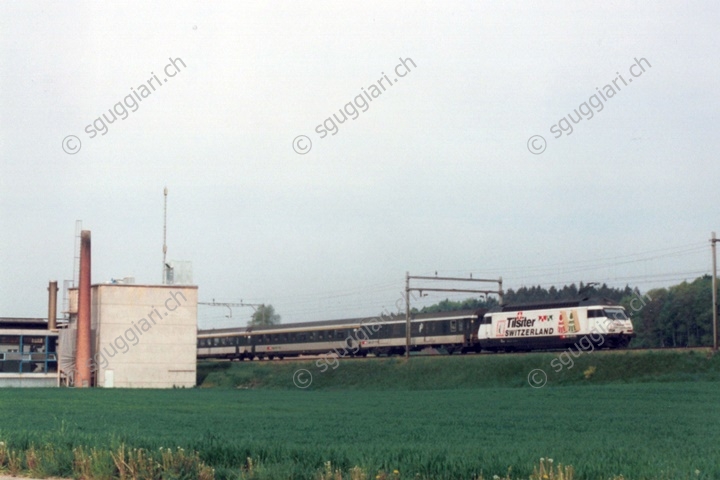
(453, 326)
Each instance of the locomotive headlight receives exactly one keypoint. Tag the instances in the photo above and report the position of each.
(615, 326)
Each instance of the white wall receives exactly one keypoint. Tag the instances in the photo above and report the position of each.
(146, 335)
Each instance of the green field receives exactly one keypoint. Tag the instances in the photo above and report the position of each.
(603, 427)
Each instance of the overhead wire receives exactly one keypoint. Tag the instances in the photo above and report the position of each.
(367, 298)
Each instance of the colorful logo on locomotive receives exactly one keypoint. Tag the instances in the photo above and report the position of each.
(568, 323)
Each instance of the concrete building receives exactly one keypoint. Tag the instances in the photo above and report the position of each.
(144, 336)
(27, 353)
(117, 334)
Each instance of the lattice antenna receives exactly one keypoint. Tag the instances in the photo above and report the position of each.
(76, 260)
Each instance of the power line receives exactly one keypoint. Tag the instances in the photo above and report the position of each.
(376, 296)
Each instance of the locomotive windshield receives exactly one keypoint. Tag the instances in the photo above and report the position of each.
(615, 314)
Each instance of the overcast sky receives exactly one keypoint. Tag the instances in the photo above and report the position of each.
(430, 170)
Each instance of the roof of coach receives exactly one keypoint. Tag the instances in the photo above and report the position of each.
(585, 302)
(342, 323)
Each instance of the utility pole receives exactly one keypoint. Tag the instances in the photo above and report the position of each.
(714, 240)
(407, 314)
(408, 277)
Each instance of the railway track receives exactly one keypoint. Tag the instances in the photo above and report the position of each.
(432, 354)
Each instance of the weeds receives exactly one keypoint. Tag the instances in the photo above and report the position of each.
(546, 471)
(14, 463)
(589, 372)
(100, 464)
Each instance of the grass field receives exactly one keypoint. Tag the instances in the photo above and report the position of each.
(650, 430)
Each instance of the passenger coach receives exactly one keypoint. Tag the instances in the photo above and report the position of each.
(383, 335)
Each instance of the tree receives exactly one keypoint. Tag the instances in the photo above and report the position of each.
(264, 316)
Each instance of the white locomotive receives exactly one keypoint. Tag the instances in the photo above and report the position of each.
(555, 325)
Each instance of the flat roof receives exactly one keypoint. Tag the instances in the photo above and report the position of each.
(7, 323)
(16, 323)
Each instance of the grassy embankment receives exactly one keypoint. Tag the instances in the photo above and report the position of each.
(471, 371)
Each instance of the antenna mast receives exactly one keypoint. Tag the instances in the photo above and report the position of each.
(164, 265)
(76, 261)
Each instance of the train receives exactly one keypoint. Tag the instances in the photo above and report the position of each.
(505, 328)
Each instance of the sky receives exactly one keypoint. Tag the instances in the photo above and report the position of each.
(316, 152)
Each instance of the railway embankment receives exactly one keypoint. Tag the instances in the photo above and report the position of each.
(569, 367)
